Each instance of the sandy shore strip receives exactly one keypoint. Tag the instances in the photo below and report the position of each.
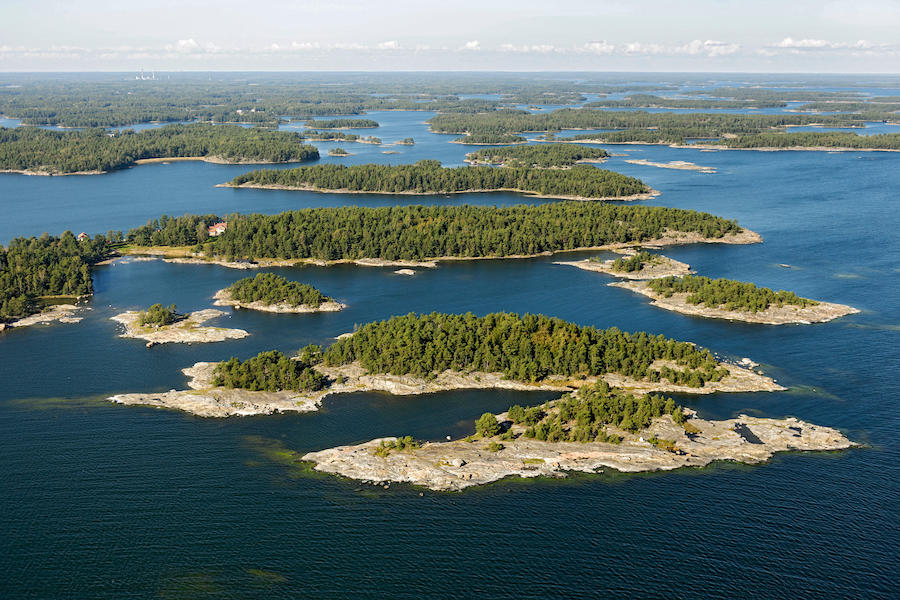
(660, 266)
(680, 165)
(787, 314)
(187, 331)
(456, 465)
(206, 400)
(223, 298)
(58, 313)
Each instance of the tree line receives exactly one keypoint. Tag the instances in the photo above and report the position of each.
(270, 288)
(31, 148)
(270, 372)
(583, 416)
(524, 348)
(733, 295)
(428, 177)
(419, 232)
(342, 124)
(540, 156)
(158, 315)
(45, 266)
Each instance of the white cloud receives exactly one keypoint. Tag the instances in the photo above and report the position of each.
(472, 45)
(305, 45)
(812, 44)
(539, 48)
(388, 45)
(601, 47)
(187, 46)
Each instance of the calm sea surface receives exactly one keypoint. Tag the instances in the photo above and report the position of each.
(104, 501)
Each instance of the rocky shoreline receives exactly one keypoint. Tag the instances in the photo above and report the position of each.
(186, 331)
(223, 298)
(649, 194)
(62, 313)
(787, 314)
(680, 165)
(206, 400)
(661, 266)
(670, 238)
(456, 465)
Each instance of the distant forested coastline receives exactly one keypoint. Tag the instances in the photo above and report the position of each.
(97, 150)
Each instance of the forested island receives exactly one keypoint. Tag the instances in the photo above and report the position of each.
(273, 293)
(814, 140)
(164, 324)
(343, 124)
(36, 269)
(735, 300)
(652, 101)
(421, 233)
(415, 354)
(489, 139)
(429, 177)
(543, 156)
(592, 429)
(33, 150)
(339, 136)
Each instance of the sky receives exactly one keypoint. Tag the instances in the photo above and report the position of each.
(840, 36)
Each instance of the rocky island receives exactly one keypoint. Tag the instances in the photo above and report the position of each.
(160, 325)
(680, 165)
(593, 429)
(735, 300)
(268, 292)
(633, 265)
(417, 354)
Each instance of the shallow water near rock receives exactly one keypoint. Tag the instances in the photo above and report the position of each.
(108, 501)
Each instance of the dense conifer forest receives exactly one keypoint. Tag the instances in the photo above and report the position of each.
(270, 372)
(525, 348)
(35, 149)
(730, 294)
(418, 232)
(541, 156)
(343, 124)
(275, 289)
(45, 266)
(428, 177)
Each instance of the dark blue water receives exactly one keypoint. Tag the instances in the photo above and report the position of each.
(104, 501)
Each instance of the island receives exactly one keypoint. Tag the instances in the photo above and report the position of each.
(164, 324)
(680, 165)
(406, 142)
(268, 292)
(592, 429)
(343, 124)
(539, 157)
(36, 151)
(735, 301)
(41, 278)
(417, 354)
(633, 265)
(340, 152)
(413, 236)
(340, 136)
(428, 177)
(489, 139)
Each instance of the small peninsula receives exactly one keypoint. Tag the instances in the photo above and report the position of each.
(587, 431)
(163, 324)
(428, 177)
(633, 265)
(268, 292)
(417, 354)
(735, 301)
